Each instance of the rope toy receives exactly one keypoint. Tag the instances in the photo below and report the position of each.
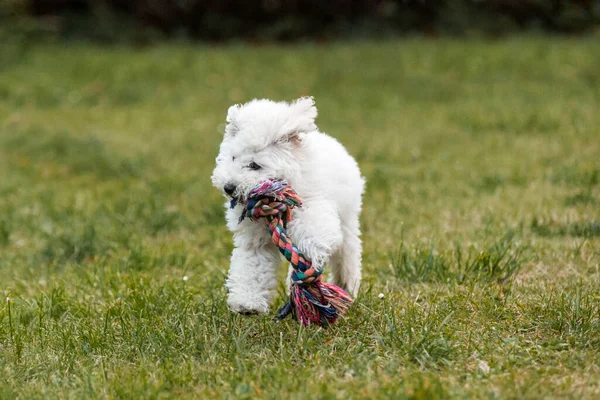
(311, 300)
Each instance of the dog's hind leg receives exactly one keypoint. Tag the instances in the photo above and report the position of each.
(346, 262)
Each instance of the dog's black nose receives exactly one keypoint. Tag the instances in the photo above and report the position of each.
(229, 188)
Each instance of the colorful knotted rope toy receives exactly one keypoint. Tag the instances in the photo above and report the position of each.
(311, 300)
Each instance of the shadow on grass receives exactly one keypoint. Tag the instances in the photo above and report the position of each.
(5, 230)
(583, 229)
(517, 122)
(496, 263)
(577, 175)
(490, 183)
(582, 197)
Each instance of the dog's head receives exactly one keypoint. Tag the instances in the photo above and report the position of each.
(263, 140)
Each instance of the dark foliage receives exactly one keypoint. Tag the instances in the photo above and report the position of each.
(299, 19)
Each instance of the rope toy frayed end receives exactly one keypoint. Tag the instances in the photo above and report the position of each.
(311, 300)
(317, 303)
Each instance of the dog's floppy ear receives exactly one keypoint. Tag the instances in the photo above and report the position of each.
(301, 120)
(305, 113)
(293, 137)
(231, 128)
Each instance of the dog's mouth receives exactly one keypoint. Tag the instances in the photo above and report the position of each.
(236, 196)
(241, 197)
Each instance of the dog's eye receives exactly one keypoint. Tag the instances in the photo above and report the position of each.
(254, 166)
(233, 158)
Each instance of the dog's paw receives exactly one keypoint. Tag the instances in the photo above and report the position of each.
(248, 306)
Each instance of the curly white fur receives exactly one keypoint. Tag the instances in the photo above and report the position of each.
(284, 142)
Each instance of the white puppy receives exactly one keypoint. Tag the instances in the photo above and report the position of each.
(266, 139)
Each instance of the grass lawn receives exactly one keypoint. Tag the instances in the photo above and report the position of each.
(481, 221)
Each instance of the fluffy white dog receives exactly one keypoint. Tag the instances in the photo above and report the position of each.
(266, 139)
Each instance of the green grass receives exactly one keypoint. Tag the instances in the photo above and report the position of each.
(481, 221)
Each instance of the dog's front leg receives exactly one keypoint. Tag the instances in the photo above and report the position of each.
(316, 231)
(252, 274)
